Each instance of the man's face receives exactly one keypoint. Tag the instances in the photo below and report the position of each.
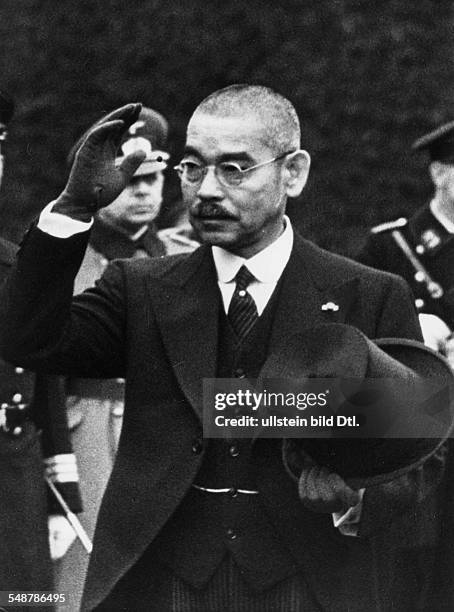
(244, 218)
(137, 205)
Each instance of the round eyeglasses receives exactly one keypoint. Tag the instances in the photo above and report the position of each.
(229, 174)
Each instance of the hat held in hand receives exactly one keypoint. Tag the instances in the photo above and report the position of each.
(402, 390)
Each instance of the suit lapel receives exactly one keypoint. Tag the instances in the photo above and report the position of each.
(309, 295)
(187, 312)
(188, 301)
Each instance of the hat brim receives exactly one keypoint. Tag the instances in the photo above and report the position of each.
(157, 163)
(150, 167)
(369, 462)
(414, 426)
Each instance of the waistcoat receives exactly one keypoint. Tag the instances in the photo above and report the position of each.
(207, 526)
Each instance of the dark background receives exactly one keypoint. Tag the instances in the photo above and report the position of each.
(366, 78)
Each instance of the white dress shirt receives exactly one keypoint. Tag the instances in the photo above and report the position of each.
(266, 266)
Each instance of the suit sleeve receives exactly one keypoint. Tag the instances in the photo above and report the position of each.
(44, 330)
(398, 317)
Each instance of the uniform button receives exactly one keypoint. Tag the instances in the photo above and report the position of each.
(233, 492)
(17, 398)
(19, 370)
(242, 293)
(17, 431)
(239, 373)
(420, 249)
(118, 411)
(419, 303)
(420, 277)
(231, 535)
(234, 450)
(197, 446)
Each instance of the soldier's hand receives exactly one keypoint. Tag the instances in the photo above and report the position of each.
(61, 536)
(321, 490)
(95, 181)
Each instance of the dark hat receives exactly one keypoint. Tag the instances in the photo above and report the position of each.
(402, 389)
(6, 111)
(148, 133)
(439, 143)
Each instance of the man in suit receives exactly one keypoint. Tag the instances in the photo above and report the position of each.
(189, 523)
(34, 442)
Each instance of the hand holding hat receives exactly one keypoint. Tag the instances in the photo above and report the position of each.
(95, 180)
(322, 490)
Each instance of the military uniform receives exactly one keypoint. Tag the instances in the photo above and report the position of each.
(431, 245)
(34, 443)
(421, 249)
(34, 440)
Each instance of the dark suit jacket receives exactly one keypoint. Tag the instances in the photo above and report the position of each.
(154, 322)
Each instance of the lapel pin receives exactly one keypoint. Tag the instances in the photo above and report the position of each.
(330, 306)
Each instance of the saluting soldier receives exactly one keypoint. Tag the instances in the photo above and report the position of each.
(124, 229)
(34, 444)
(421, 249)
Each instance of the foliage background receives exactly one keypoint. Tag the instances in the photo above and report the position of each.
(367, 78)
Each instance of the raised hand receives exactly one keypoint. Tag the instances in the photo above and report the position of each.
(95, 181)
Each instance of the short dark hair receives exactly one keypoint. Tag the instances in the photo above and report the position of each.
(278, 114)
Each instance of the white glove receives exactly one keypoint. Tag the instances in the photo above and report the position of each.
(61, 536)
(437, 336)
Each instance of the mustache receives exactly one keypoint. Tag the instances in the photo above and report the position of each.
(211, 210)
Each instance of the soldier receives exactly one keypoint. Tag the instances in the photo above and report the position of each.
(421, 249)
(125, 229)
(34, 443)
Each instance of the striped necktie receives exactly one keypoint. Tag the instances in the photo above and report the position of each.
(242, 312)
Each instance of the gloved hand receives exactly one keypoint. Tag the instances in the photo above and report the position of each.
(94, 180)
(321, 490)
(61, 536)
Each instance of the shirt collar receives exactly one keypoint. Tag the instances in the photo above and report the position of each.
(267, 265)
